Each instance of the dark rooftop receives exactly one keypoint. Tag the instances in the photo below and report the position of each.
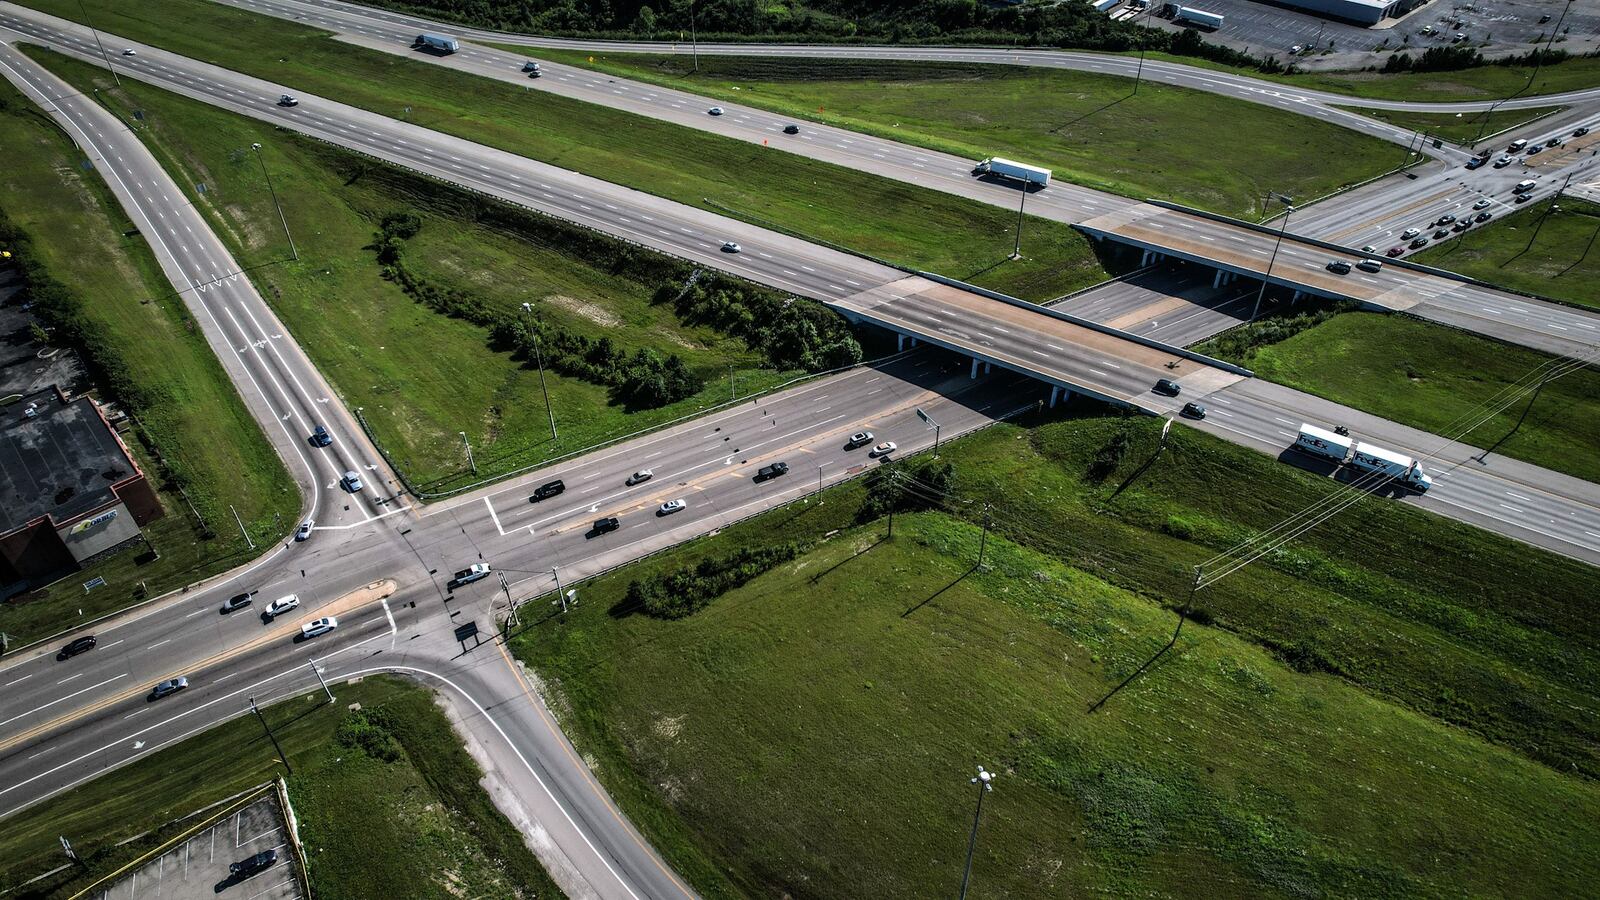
(61, 461)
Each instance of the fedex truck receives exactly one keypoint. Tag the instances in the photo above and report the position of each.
(1342, 449)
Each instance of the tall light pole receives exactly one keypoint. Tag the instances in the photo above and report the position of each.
(259, 158)
(560, 594)
(984, 781)
(694, 43)
(468, 445)
(96, 32)
(538, 360)
(1138, 74)
(1016, 251)
(270, 736)
(1288, 208)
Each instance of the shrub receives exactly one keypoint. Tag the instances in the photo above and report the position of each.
(365, 731)
(687, 590)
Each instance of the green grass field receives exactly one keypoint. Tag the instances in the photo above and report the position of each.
(1088, 128)
(1461, 128)
(419, 376)
(1563, 261)
(198, 424)
(418, 826)
(811, 733)
(1434, 377)
(913, 226)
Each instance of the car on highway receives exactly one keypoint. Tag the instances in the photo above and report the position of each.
(1369, 249)
(280, 606)
(1394, 251)
(731, 247)
(468, 575)
(1580, 132)
(1419, 243)
(1483, 203)
(766, 473)
(1536, 148)
(318, 626)
(1192, 410)
(168, 688)
(1553, 143)
(1524, 186)
(1168, 387)
(1338, 267)
(1516, 146)
(670, 507)
(254, 865)
(320, 437)
(1446, 219)
(1503, 161)
(715, 111)
(130, 52)
(1441, 234)
(304, 531)
(238, 601)
(1476, 162)
(1410, 233)
(791, 129)
(532, 68)
(287, 100)
(547, 490)
(351, 481)
(640, 477)
(884, 449)
(603, 526)
(76, 646)
(1483, 217)
(1370, 265)
(1462, 225)
(859, 439)
(1523, 198)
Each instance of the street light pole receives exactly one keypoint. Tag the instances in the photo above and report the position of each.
(318, 673)
(281, 218)
(1288, 209)
(560, 594)
(985, 785)
(96, 32)
(694, 44)
(468, 445)
(538, 359)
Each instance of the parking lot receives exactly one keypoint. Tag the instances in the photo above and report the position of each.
(198, 867)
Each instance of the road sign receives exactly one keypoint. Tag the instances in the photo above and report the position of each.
(926, 418)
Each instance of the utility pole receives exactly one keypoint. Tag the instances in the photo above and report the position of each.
(270, 736)
(819, 481)
(894, 479)
(694, 43)
(1553, 207)
(1138, 73)
(468, 445)
(983, 542)
(1538, 61)
(733, 393)
(984, 781)
(103, 55)
(241, 526)
(318, 672)
(1586, 247)
(1016, 251)
(1288, 209)
(259, 158)
(1484, 456)
(538, 359)
(511, 608)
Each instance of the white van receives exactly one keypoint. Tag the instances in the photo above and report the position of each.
(1516, 146)
(1524, 186)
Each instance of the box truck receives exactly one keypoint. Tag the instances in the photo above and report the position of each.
(1023, 172)
(436, 42)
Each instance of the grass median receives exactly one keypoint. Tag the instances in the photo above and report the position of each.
(1462, 128)
(1533, 250)
(190, 431)
(811, 732)
(1167, 142)
(388, 802)
(908, 225)
(1434, 377)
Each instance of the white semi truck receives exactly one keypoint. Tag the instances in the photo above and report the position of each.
(437, 42)
(1198, 17)
(1342, 449)
(1023, 172)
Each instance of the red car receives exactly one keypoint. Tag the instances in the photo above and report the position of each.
(1395, 251)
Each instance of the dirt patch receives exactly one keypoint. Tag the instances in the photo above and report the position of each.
(594, 313)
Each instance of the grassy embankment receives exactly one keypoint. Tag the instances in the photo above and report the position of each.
(1563, 261)
(811, 733)
(419, 375)
(388, 802)
(1461, 128)
(192, 430)
(913, 226)
(1432, 377)
(1087, 128)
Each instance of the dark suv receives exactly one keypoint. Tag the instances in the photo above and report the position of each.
(1169, 387)
(604, 526)
(254, 865)
(772, 471)
(80, 645)
(547, 490)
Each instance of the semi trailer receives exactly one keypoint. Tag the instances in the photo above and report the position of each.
(437, 42)
(1023, 172)
(1360, 455)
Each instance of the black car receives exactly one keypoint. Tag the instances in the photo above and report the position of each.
(791, 129)
(604, 526)
(237, 601)
(1192, 410)
(1168, 387)
(1446, 219)
(547, 490)
(772, 471)
(254, 865)
(320, 437)
(79, 645)
(1338, 267)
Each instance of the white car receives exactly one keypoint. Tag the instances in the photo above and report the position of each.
(1481, 204)
(1503, 161)
(1410, 233)
(640, 477)
(318, 626)
(715, 110)
(885, 448)
(351, 482)
(304, 531)
(287, 100)
(280, 606)
(130, 52)
(731, 247)
(670, 507)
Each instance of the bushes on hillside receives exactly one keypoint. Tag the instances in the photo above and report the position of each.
(904, 488)
(685, 591)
